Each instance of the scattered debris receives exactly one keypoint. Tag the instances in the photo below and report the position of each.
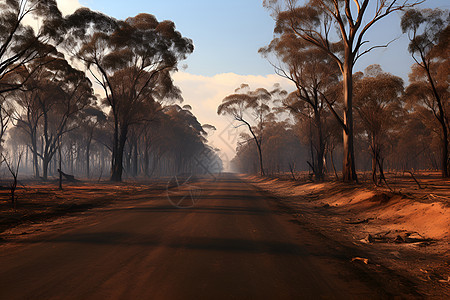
(424, 244)
(414, 237)
(368, 239)
(362, 259)
(399, 239)
(433, 197)
(409, 230)
(360, 221)
(434, 276)
(396, 254)
(445, 281)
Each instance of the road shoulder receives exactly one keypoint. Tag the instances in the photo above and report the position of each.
(409, 268)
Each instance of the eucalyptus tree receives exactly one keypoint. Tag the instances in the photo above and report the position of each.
(429, 35)
(282, 151)
(6, 109)
(378, 105)
(187, 138)
(315, 22)
(417, 142)
(251, 109)
(314, 74)
(20, 44)
(131, 60)
(91, 118)
(48, 105)
(151, 140)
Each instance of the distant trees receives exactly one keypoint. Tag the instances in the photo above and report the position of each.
(48, 105)
(53, 109)
(91, 119)
(314, 23)
(315, 75)
(377, 102)
(132, 61)
(282, 151)
(251, 109)
(429, 35)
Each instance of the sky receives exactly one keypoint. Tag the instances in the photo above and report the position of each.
(227, 36)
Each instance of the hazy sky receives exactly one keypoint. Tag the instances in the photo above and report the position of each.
(227, 35)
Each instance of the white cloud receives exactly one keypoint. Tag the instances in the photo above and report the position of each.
(68, 6)
(205, 94)
(65, 6)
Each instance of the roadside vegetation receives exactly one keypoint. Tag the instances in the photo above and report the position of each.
(337, 121)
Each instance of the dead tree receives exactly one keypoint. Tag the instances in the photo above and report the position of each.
(14, 170)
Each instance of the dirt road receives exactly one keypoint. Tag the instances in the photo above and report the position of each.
(235, 243)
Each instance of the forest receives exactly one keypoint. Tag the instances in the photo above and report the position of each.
(53, 119)
(337, 119)
(92, 96)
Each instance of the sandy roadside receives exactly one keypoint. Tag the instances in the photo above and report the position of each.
(406, 231)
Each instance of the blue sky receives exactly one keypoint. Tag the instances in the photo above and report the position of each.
(226, 34)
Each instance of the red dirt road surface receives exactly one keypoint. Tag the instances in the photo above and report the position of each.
(235, 243)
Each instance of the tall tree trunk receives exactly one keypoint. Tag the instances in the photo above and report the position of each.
(311, 148)
(45, 162)
(114, 156)
(146, 162)
(262, 173)
(442, 120)
(88, 153)
(258, 145)
(71, 158)
(332, 164)
(35, 158)
(60, 163)
(374, 160)
(445, 158)
(320, 153)
(26, 158)
(348, 169)
(117, 168)
(135, 159)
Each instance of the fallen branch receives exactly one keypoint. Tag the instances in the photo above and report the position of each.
(418, 183)
(364, 260)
